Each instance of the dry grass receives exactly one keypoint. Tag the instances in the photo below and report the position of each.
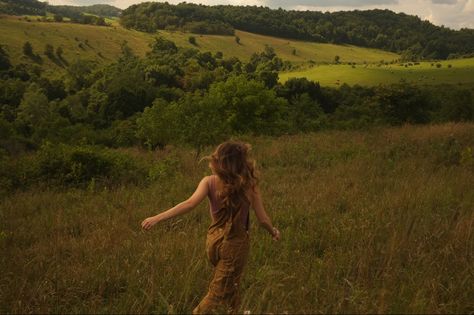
(372, 222)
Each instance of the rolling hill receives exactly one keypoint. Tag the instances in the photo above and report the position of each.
(103, 44)
(314, 61)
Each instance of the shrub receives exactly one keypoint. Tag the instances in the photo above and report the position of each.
(192, 40)
(27, 49)
(77, 165)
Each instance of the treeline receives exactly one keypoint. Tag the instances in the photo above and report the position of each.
(23, 7)
(93, 14)
(383, 29)
(104, 10)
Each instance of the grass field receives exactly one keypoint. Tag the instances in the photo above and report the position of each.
(379, 221)
(425, 73)
(103, 43)
(305, 51)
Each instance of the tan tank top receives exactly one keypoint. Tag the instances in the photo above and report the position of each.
(221, 216)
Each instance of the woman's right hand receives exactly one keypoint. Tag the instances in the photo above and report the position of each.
(276, 234)
(149, 222)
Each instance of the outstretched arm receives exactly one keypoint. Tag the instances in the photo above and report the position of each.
(181, 208)
(262, 215)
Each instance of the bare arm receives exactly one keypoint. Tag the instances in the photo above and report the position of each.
(181, 208)
(262, 216)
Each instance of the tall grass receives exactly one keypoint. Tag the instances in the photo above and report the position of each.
(372, 222)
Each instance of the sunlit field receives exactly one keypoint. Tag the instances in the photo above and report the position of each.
(379, 221)
(456, 71)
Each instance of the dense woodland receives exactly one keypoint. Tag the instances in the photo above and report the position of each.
(382, 29)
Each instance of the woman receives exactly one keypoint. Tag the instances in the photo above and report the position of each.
(232, 190)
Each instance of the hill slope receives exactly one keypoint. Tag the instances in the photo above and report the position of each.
(381, 29)
(103, 43)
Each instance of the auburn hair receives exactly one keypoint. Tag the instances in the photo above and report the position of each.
(232, 164)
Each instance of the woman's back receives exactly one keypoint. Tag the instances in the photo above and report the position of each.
(238, 218)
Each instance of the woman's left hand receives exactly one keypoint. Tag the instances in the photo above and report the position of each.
(149, 222)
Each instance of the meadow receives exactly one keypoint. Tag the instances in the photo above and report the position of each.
(376, 221)
(456, 71)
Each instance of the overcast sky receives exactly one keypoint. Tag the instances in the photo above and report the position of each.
(452, 13)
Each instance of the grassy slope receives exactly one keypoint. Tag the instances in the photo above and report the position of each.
(106, 40)
(103, 40)
(462, 72)
(103, 45)
(372, 222)
(305, 51)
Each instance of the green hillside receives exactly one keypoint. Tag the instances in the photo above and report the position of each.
(103, 43)
(459, 71)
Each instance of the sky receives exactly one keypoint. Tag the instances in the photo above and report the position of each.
(455, 14)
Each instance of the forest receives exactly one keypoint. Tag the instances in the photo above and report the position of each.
(383, 29)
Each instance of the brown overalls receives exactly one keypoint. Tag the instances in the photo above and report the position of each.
(227, 247)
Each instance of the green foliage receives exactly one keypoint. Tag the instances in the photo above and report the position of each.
(161, 45)
(58, 18)
(49, 51)
(59, 52)
(156, 127)
(382, 29)
(23, 7)
(27, 49)
(192, 40)
(403, 103)
(5, 63)
(77, 11)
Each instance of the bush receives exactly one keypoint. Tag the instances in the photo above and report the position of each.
(192, 40)
(27, 49)
(78, 165)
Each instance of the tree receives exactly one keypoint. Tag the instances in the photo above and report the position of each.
(49, 51)
(27, 49)
(4, 60)
(34, 107)
(156, 127)
(162, 45)
(59, 52)
(58, 18)
(192, 40)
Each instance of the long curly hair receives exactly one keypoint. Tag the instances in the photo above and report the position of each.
(232, 164)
